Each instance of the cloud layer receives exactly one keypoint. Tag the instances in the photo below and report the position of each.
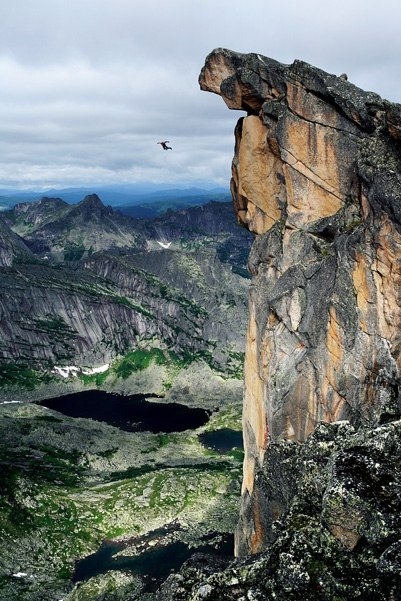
(90, 86)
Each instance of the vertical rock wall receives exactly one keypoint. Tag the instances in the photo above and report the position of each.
(316, 176)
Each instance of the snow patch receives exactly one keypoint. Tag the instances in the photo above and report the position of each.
(95, 370)
(9, 402)
(164, 244)
(67, 371)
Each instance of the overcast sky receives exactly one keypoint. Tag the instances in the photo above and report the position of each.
(89, 86)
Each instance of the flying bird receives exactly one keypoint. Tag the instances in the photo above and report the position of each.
(164, 145)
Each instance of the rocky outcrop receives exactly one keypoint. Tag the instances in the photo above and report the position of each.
(12, 247)
(339, 537)
(316, 176)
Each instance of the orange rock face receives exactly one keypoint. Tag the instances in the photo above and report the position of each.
(316, 176)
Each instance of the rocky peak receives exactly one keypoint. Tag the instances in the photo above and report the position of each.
(33, 215)
(91, 205)
(316, 176)
(45, 201)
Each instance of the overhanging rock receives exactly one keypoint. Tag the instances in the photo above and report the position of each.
(316, 176)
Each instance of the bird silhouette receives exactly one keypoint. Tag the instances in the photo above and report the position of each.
(164, 145)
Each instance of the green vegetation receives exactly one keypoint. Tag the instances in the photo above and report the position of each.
(61, 495)
(235, 365)
(48, 418)
(22, 376)
(95, 379)
(73, 251)
(141, 359)
(56, 325)
(138, 360)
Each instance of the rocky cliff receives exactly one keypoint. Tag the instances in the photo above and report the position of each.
(316, 176)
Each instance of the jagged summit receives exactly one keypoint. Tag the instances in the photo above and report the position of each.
(91, 207)
(44, 201)
(55, 229)
(92, 204)
(28, 216)
(92, 199)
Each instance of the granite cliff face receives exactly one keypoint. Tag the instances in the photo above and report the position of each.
(316, 176)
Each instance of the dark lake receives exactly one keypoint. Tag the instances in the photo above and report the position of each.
(154, 563)
(131, 413)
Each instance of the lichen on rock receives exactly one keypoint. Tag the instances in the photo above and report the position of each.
(332, 524)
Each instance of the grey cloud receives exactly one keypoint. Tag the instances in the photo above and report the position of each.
(89, 87)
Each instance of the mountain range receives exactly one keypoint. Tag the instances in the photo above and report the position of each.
(142, 200)
(84, 285)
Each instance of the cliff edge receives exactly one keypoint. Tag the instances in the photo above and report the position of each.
(316, 176)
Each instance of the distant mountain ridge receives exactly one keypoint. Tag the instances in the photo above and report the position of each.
(123, 196)
(55, 230)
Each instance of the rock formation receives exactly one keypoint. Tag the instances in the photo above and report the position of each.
(339, 538)
(316, 176)
(59, 232)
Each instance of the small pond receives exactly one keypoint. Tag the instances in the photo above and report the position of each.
(222, 440)
(130, 413)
